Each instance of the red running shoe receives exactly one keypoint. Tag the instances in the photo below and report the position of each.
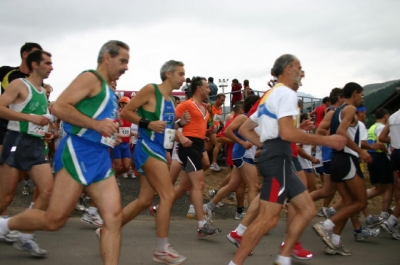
(235, 239)
(299, 252)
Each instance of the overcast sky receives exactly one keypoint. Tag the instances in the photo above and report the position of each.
(336, 41)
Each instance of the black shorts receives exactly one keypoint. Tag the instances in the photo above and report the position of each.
(22, 151)
(2, 135)
(327, 167)
(379, 169)
(275, 166)
(192, 156)
(344, 166)
(395, 160)
(296, 166)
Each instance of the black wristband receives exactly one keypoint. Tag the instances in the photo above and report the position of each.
(144, 123)
(179, 124)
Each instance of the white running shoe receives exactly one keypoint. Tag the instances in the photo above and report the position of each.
(94, 219)
(169, 256)
(30, 246)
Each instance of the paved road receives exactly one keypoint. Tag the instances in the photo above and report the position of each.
(77, 244)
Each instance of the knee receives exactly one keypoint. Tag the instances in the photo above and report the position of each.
(46, 193)
(113, 218)
(54, 223)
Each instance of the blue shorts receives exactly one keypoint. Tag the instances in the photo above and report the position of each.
(87, 162)
(320, 169)
(308, 170)
(121, 151)
(144, 149)
(238, 163)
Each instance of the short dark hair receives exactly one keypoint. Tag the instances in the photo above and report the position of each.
(196, 81)
(325, 99)
(35, 56)
(237, 106)
(235, 81)
(246, 82)
(349, 89)
(28, 46)
(380, 113)
(210, 79)
(335, 94)
(220, 95)
(249, 102)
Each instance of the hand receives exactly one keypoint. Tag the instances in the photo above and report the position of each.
(365, 156)
(48, 136)
(306, 125)
(246, 145)
(185, 142)
(107, 127)
(185, 118)
(157, 126)
(39, 120)
(316, 161)
(118, 139)
(336, 141)
(211, 130)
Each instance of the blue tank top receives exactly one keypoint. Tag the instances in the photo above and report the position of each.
(238, 150)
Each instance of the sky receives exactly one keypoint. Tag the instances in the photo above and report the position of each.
(336, 41)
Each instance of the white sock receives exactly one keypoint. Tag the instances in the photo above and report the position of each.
(231, 263)
(241, 229)
(4, 226)
(31, 205)
(384, 214)
(283, 260)
(335, 239)
(92, 210)
(25, 236)
(392, 220)
(202, 223)
(329, 224)
(161, 243)
(211, 206)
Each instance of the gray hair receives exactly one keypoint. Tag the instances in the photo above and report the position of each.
(111, 47)
(169, 67)
(281, 63)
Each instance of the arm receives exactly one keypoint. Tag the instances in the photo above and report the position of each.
(15, 94)
(289, 133)
(384, 136)
(304, 154)
(84, 86)
(323, 128)
(247, 131)
(229, 131)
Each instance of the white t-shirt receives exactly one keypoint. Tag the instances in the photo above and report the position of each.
(394, 126)
(363, 131)
(277, 103)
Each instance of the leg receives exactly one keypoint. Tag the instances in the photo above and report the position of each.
(9, 179)
(43, 179)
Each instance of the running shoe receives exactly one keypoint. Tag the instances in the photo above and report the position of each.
(328, 212)
(231, 196)
(366, 233)
(373, 221)
(390, 229)
(338, 250)
(236, 239)
(239, 216)
(320, 212)
(169, 256)
(94, 219)
(324, 233)
(125, 175)
(207, 213)
(26, 189)
(396, 233)
(208, 230)
(153, 210)
(299, 252)
(30, 246)
(215, 167)
(12, 236)
(191, 213)
(212, 193)
(79, 207)
(98, 233)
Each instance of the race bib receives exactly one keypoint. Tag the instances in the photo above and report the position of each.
(37, 130)
(217, 118)
(169, 137)
(109, 141)
(125, 131)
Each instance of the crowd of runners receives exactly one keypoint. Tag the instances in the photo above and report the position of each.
(89, 137)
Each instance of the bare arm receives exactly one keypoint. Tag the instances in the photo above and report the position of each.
(229, 131)
(323, 128)
(84, 86)
(247, 131)
(289, 133)
(384, 136)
